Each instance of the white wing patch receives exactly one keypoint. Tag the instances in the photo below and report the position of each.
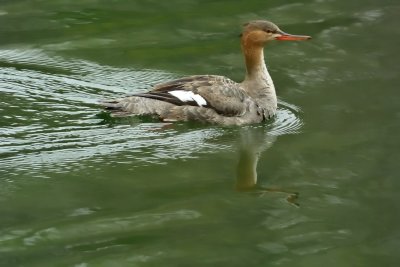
(186, 96)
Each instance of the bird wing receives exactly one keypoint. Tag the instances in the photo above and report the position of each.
(223, 95)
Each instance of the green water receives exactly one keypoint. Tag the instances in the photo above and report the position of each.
(76, 192)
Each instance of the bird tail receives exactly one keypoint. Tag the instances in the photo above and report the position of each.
(114, 107)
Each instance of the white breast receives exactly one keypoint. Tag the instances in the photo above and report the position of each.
(187, 96)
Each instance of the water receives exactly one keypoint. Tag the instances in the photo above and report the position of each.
(76, 190)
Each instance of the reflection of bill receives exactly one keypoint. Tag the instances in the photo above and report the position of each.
(253, 141)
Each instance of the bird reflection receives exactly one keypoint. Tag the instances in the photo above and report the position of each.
(253, 142)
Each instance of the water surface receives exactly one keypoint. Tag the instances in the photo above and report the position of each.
(78, 191)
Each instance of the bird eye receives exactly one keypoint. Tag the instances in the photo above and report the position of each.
(268, 31)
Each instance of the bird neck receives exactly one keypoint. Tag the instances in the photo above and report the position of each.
(254, 59)
(258, 83)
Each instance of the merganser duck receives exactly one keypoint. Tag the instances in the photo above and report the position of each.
(211, 98)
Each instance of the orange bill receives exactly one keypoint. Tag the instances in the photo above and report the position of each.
(290, 37)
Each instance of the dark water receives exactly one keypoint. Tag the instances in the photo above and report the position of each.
(76, 192)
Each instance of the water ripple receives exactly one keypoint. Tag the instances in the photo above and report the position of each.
(20, 239)
(286, 120)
